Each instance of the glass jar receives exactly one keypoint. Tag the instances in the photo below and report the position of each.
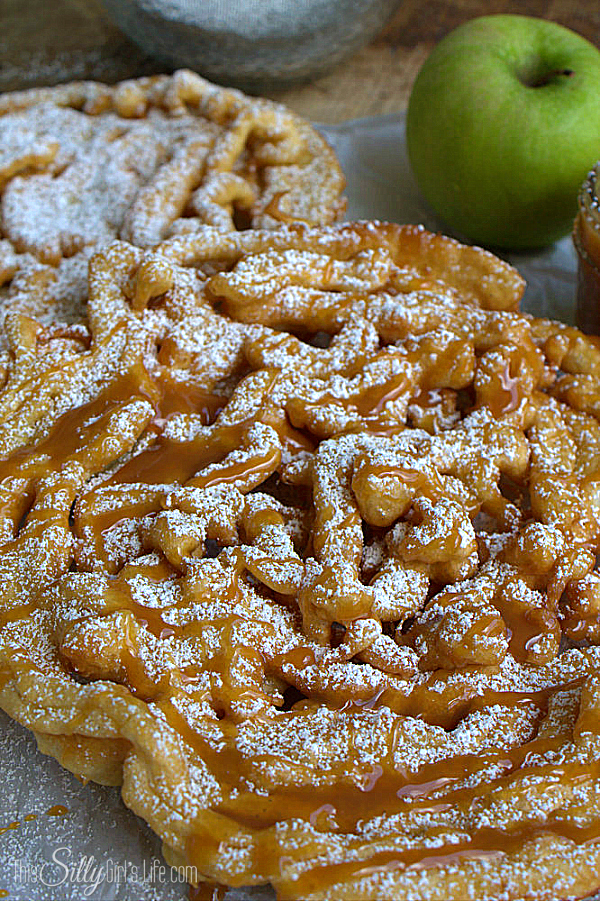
(586, 238)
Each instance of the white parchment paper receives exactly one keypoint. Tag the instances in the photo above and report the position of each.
(99, 849)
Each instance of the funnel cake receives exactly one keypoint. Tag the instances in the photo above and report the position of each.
(298, 545)
(85, 163)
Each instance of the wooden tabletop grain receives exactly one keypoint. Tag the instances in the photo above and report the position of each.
(47, 41)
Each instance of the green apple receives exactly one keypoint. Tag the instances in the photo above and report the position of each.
(503, 124)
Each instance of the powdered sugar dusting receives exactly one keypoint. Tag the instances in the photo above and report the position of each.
(282, 591)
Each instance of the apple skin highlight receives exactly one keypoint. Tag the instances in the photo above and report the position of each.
(503, 124)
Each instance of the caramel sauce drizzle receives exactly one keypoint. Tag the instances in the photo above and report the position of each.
(507, 397)
(370, 403)
(487, 843)
(19, 611)
(373, 401)
(451, 707)
(65, 436)
(166, 461)
(298, 657)
(524, 630)
(57, 810)
(176, 398)
(421, 481)
(381, 790)
(150, 617)
(169, 461)
(402, 473)
(385, 790)
(208, 891)
(273, 208)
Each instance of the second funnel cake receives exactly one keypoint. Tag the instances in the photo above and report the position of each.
(84, 163)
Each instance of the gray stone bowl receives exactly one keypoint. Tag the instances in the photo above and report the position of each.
(253, 44)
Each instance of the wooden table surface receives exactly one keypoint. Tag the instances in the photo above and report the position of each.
(47, 41)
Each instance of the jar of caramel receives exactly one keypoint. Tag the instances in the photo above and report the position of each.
(586, 238)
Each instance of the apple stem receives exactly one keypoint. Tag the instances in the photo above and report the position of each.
(550, 76)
